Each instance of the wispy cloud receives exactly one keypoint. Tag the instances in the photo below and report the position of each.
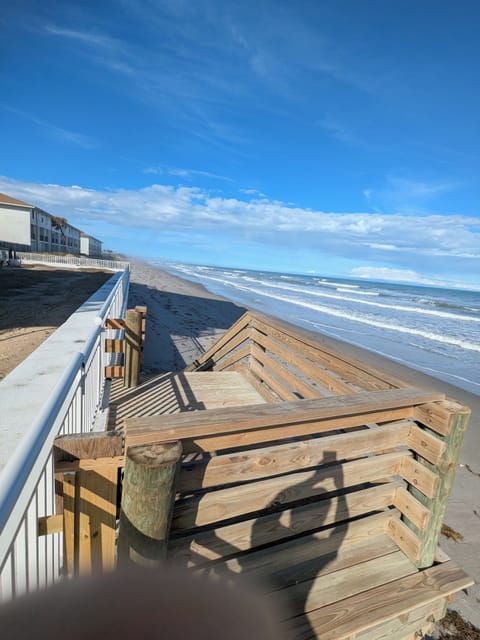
(188, 174)
(57, 133)
(437, 243)
(406, 195)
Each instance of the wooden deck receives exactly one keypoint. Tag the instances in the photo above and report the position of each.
(169, 393)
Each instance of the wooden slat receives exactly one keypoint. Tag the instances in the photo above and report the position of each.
(293, 456)
(419, 476)
(285, 562)
(114, 371)
(238, 419)
(344, 583)
(258, 386)
(256, 437)
(408, 542)
(114, 345)
(411, 508)
(229, 540)
(287, 376)
(69, 491)
(348, 368)
(222, 504)
(426, 444)
(50, 524)
(438, 416)
(341, 620)
(265, 375)
(97, 509)
(236, 357)
(414, 623)
(115, 323)
(296, 361)
(236, 328)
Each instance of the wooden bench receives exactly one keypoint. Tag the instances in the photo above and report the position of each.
(333, 505)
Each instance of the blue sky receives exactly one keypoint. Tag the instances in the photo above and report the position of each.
(340, 137)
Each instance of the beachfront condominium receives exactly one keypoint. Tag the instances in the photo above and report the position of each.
(25, 227)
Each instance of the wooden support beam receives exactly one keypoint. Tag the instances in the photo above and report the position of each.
(50, 524)
(80, 446)
(147, 503)
(133, 347)
(445, 468)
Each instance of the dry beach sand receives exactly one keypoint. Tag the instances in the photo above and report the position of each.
(183, 320)
(34, 301)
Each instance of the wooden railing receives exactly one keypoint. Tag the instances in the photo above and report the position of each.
(284, 362)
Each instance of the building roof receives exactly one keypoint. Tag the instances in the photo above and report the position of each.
(4, 199)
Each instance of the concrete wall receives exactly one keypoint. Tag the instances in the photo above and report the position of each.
(14, 225)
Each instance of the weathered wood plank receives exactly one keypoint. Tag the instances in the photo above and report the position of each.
(445, 468)
(50, 524)
(114, 371)
(258, 386)
(69, 490)
(348, 368)
(229, 540)
(98, 444)
(416, 474)
(265, 374)
(239, 419)
(284, 563)
(426, 444)
(438, 416)
(231, 502)
(285, 375)
(413, 623)
(115, 323)
(133, 347)
(116, 345)
(340, 620)
(296, 361)
(348, 582)
(411, 508)
(408, 542)
(210, 354)
(292, 456)
(259, 436)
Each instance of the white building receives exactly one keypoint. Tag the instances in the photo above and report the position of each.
(90, 246)
(25, 227)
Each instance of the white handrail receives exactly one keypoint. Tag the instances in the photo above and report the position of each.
(56, 390)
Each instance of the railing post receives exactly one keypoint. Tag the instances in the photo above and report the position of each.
(148, 496)
(133, 345)
(449, 420)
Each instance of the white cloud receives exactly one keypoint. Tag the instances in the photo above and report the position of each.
(429, 244)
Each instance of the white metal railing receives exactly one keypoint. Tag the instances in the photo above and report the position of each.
(70, 261)
(57, 390)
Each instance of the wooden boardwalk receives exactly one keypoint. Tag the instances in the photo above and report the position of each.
(169, 393)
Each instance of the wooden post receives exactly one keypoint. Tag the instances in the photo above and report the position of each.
(147, 503)
(133, 345)
(456, 421)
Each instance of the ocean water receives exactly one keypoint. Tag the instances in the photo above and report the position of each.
(434, 330)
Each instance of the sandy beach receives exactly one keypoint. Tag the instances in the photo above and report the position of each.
(183, 320)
